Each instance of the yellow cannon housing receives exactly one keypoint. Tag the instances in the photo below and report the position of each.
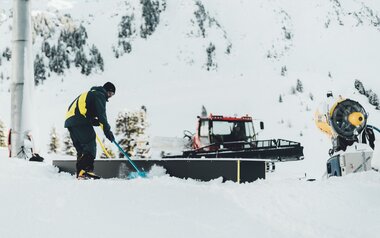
(346, 123)
(346, 118)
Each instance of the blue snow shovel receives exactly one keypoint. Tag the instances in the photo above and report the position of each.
(133, 174)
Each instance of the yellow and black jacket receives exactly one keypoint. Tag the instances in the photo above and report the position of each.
(89, 108)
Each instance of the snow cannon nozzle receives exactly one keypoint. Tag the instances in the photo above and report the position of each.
(356, 118)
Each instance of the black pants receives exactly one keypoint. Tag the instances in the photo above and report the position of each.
(84, 141)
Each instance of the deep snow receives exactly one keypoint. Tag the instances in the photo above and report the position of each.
(36, 201)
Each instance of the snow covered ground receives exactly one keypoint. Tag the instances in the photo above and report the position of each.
(36, 201)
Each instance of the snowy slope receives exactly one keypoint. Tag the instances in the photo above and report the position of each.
(36, 201)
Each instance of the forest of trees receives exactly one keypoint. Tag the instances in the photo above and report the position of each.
(127, 29)
(67, 52)
(63, 46)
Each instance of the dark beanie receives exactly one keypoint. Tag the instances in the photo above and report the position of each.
(109, 87)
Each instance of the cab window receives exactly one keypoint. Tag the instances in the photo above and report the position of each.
(203, 130)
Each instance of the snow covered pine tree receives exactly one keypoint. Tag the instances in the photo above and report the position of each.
(54, 141)
(3, 140)
(131, 126)
(68, 148)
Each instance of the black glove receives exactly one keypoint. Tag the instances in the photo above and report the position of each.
(95, 122)
(110, 136)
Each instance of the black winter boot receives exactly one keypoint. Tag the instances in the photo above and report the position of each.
(85, 163)
(87, 175)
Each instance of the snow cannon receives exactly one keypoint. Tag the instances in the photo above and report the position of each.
(346, 123)
(346, 118)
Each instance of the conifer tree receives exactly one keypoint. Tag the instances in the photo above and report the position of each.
(126, 128)
(39, 70)
(143, 145)
(3, 139)
(54, 141)
(284, 70)
(373, 98)
(299, 86)
(131, 127)
(46, 48)
(151, 17)
(359, 86)
(7, 53)
(211, 64)
(68, 148)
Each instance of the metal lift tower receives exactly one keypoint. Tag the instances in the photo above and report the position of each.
(22, 75)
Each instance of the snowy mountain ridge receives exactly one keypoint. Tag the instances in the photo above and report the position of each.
(139, 19)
